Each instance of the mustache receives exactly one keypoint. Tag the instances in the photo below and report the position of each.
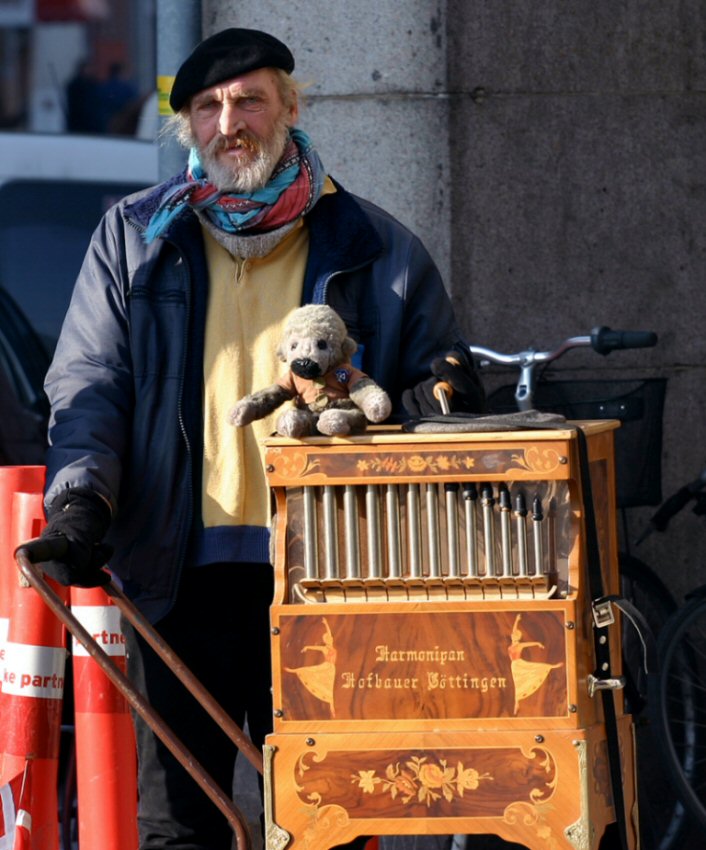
(243, 139)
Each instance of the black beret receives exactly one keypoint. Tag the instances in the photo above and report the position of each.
(227, 54)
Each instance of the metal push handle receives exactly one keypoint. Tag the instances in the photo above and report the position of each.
(227, 807)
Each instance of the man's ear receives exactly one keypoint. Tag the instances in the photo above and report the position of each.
(294, 110)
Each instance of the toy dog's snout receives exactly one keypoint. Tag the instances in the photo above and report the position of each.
(304, 367)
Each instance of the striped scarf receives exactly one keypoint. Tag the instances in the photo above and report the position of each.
(292, 190)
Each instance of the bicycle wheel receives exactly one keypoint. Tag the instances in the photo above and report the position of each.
(663, 819)
(640, 585)
(678, 704)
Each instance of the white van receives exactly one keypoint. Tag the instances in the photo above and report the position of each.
(105, 159)
(53, 191)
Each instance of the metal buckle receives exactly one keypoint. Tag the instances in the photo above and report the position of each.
(602, 613)
(615, 683)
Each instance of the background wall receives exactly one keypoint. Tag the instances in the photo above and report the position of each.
(552, 158)
(578, 199)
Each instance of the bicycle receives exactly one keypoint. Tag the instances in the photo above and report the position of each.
(636, 404)
(677, 701)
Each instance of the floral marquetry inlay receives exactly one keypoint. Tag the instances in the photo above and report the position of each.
(416, 464)
(315, 465)
(421, 779)
(444, 783)
(539, 460)
(292, 464)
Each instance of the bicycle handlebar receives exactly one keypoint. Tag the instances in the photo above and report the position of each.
(672, 505)
(604, 340)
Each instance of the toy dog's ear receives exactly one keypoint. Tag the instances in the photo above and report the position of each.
(281, 350)
(349, 347)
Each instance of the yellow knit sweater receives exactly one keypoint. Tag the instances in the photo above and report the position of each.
(248, 303)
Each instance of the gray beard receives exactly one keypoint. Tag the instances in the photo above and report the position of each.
(251, 177)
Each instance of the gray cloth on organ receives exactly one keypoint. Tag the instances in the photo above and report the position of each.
(517, 421)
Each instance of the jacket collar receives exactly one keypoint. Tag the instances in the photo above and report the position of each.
(141, 209)
(342, 232)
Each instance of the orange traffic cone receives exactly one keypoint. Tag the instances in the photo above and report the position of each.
(106, 761)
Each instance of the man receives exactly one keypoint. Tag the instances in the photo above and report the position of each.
(117, 94)
(175, 315)
(83, 107)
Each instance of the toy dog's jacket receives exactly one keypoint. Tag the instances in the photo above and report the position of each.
(317, 393)
(125, 383)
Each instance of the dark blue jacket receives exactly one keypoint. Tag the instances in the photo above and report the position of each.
(125, 384)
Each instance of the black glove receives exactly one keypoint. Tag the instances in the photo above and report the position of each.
(70, 547)
(466, 394)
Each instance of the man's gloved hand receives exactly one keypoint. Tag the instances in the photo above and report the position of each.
(77, 521)
(466, 395)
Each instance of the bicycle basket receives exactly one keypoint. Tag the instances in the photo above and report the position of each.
(638, 442)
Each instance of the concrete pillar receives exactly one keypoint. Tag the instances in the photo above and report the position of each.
(178, 32)
(375, 103)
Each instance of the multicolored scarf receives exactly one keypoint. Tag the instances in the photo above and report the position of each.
(292, 190)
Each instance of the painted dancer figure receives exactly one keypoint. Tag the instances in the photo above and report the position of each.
(528, 676)
(319, 679)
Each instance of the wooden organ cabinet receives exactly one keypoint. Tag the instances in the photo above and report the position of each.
(432, 639)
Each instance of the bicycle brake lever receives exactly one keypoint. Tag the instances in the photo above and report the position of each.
(668, 509)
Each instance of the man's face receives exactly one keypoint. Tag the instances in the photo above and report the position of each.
(240, 128)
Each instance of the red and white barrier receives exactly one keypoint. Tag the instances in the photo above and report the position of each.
(33, 689)
(106, 762)
(32, 662)
(13, 479)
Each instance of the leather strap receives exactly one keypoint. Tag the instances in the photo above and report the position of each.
(601, 641)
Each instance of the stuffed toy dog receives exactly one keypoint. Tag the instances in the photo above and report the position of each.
(330, 395)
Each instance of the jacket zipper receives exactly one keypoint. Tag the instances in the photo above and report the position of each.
(181, 555)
